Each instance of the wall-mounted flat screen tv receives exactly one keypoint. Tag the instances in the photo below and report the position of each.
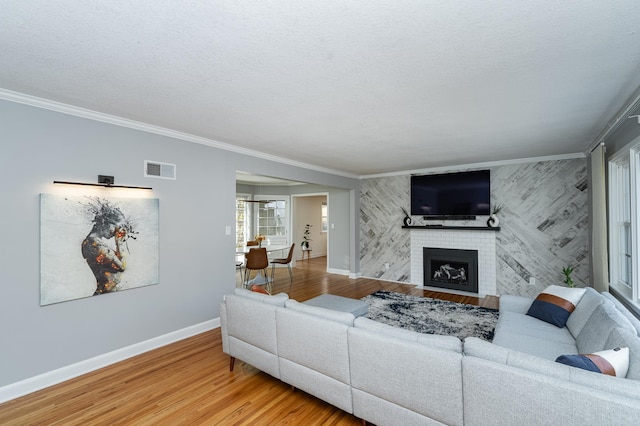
(451, 194)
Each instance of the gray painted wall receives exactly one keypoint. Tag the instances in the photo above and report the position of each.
(544, 225)
(196, 257)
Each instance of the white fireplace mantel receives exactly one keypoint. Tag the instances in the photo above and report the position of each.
(483, 242)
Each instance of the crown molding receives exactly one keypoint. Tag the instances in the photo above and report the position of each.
(63, 108)
(76, 111)
(622, 115)
(472, 166)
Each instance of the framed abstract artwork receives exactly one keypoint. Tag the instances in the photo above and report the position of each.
(92, 245)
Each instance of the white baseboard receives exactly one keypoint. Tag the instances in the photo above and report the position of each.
(68, 372)
(355, 275)
(338, 271)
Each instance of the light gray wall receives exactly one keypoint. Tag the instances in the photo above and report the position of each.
(544, 225)
(196, 257)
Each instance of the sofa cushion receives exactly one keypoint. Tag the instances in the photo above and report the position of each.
(314, 342)
(314, 355)
(588, 303)
(620, 337)
(555, 304)
(536, 346)
(594, 334)
(513, 303)
(241, 322)
(527, 334)
(614, 362)
(415, 376)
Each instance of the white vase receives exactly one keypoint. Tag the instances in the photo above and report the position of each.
(493, 221)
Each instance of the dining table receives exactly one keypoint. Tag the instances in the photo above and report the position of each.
(271, 248)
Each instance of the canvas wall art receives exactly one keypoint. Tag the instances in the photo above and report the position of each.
(92, 245)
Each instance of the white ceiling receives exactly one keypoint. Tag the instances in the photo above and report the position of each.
(360, 86)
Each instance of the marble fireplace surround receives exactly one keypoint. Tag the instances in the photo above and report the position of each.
(481, 240)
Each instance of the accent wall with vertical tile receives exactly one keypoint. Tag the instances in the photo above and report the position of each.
(544, 226)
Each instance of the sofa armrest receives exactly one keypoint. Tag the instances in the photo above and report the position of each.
(518, 304)
(619, 306)
(223, 328)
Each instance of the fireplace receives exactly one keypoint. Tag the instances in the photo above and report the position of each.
(452, 269)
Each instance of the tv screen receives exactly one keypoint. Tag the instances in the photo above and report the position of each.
(451, 194)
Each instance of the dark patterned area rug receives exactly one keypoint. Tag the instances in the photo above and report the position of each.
(431, 316)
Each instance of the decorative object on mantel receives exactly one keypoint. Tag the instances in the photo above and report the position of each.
(567, 270)
(493, 220)
(407, 219)
(305, 237)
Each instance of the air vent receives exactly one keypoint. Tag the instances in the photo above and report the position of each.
(160, 170)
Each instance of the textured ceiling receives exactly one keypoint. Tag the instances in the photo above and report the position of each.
(361, 87)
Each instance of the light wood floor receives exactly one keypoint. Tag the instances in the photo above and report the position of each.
(189, 382)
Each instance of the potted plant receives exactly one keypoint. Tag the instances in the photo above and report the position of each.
(567, 270)
(306, 237)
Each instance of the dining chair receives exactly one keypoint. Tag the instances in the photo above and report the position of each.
(240, 268)
(283, 261)
(256, 260)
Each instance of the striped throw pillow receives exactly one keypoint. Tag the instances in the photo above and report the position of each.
(555, 304)
(613, 362)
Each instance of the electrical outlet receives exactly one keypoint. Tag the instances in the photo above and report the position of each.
(532, 281)
(227, 230)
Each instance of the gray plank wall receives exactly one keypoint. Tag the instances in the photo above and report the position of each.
(544, 225)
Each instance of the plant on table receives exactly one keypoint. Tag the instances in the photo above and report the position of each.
(259, 239)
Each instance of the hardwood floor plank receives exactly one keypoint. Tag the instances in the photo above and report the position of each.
(189, 382)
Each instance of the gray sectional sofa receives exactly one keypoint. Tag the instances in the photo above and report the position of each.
(389, 376)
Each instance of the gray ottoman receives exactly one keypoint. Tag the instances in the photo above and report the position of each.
(339, 303)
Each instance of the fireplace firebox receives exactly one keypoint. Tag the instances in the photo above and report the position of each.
(452, 269)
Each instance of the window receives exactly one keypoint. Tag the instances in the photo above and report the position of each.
(624, 172)
(272, 218)
(243, 229)
(325, 225)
